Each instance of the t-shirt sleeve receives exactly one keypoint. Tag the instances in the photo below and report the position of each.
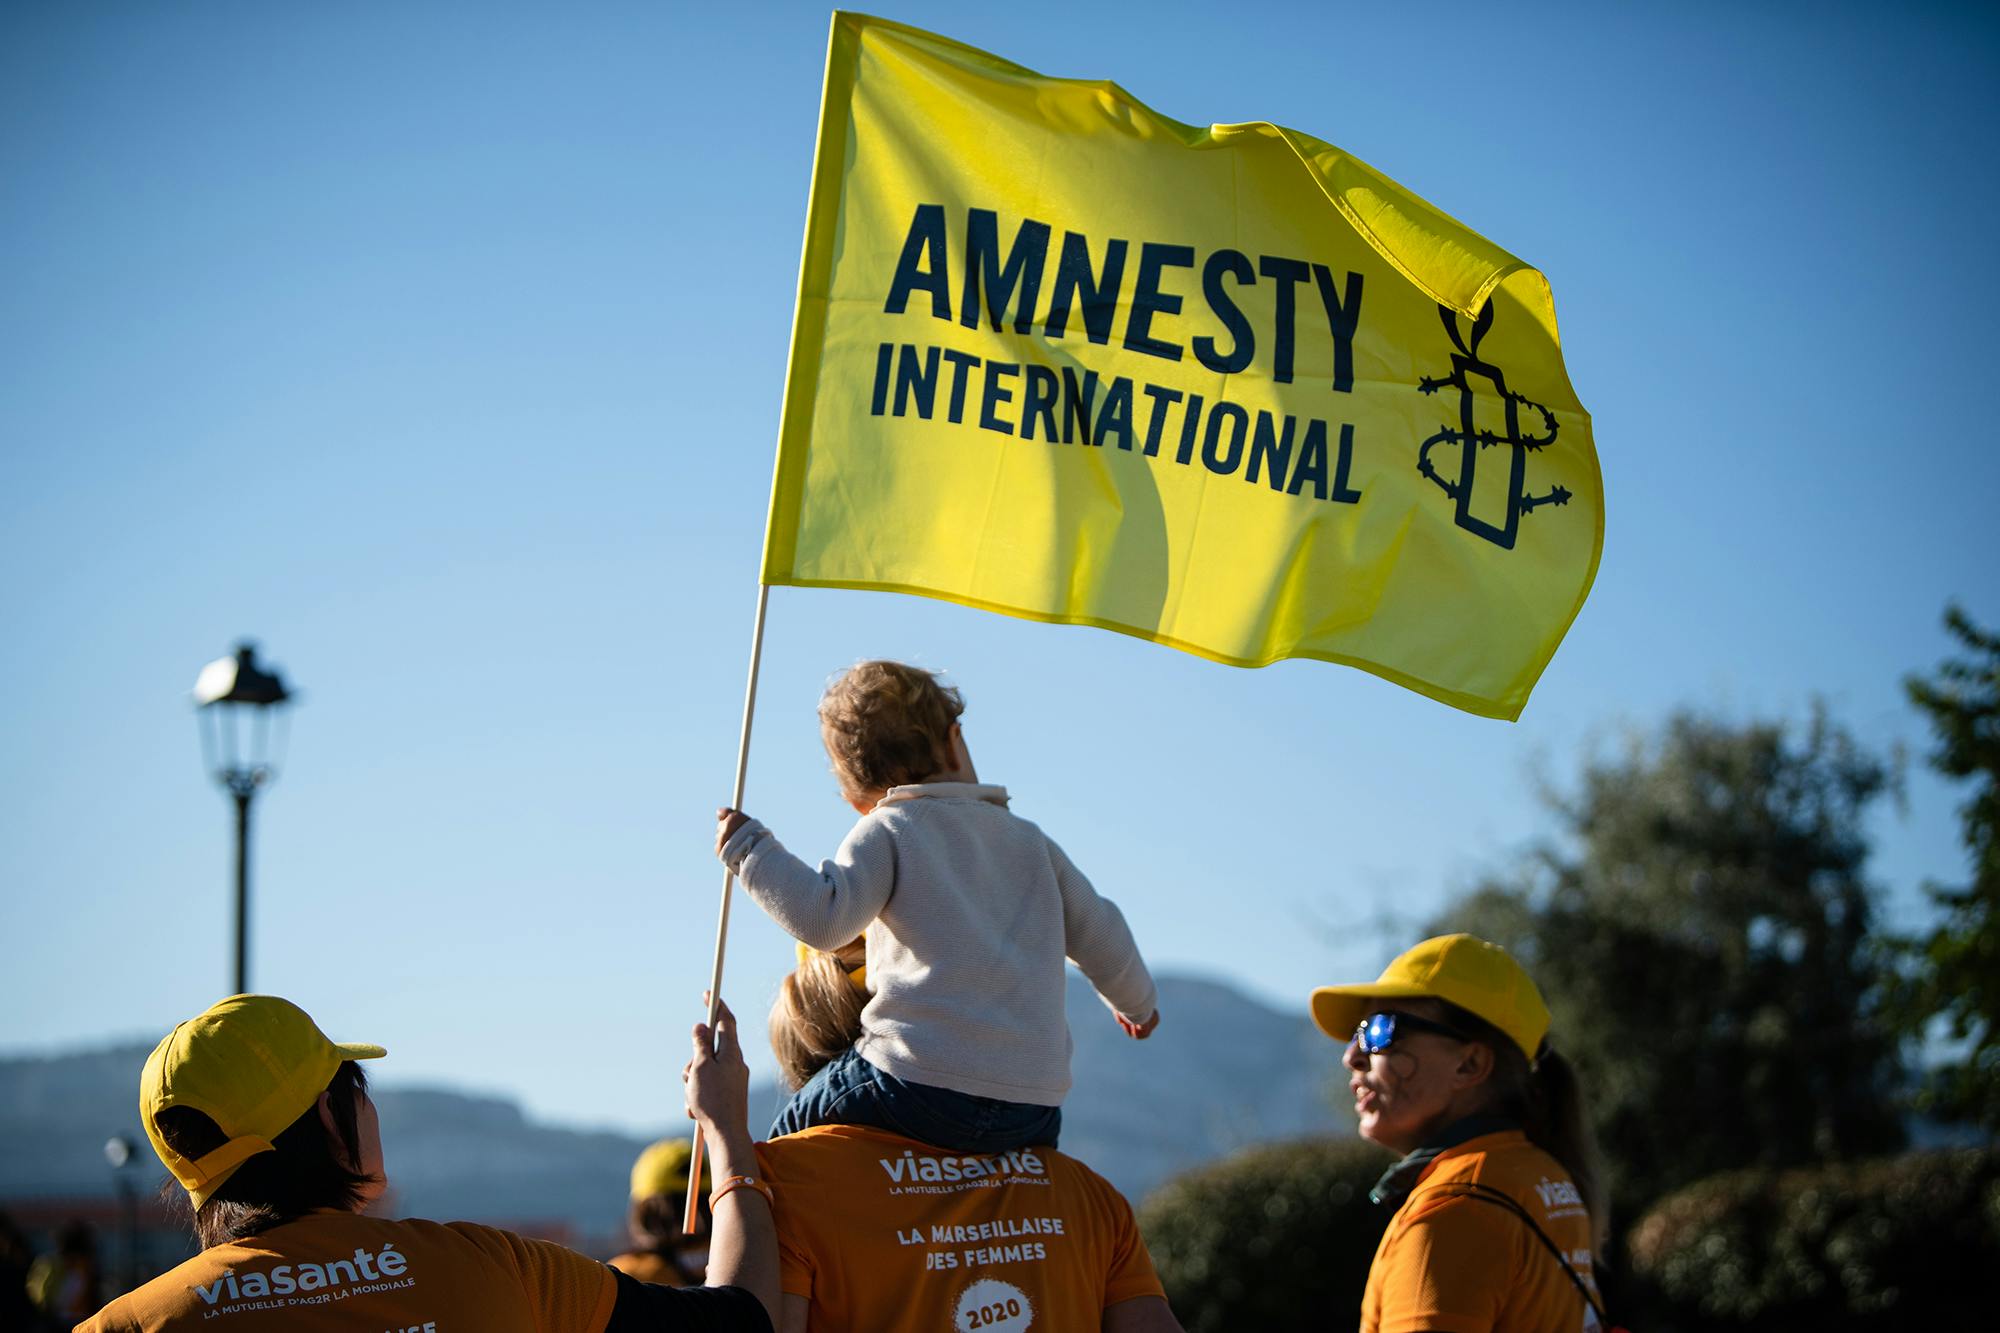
(1131, 1272)
(1447, 1270)
(795, 1267)
(643, 1307)
(795, 1270)
(564, 1291)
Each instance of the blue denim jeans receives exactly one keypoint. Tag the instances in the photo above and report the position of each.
(850, 1091)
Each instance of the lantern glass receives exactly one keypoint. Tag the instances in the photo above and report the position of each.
(244, 723)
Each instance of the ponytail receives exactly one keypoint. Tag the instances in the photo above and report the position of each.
(817, 1016)
(1548, 1101)
(1556, 1123)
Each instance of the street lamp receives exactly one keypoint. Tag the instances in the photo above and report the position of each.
(122, 1153)
(240, 709)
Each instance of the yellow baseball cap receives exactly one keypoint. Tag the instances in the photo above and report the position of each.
(663, 1169)
(1478, 977)
(253, 1064)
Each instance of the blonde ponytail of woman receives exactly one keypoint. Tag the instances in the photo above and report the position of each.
(817, 1016)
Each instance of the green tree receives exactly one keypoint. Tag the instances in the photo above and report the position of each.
(1701, 933)
(1956, 973)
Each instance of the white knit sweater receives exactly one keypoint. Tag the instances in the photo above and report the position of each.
(969, 912)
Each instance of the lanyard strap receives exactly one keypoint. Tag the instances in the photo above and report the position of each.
(1472, 1190)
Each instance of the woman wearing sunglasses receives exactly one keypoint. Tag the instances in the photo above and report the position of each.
(1499, 1208)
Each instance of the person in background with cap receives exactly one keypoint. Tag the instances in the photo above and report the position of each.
(1499, 1208)
(268, 1126)
(660, 1251)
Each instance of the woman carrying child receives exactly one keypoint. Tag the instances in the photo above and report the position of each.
(840, 1271)
(968, 912)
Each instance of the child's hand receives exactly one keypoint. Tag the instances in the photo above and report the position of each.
(727, 821)
(1139, 1031)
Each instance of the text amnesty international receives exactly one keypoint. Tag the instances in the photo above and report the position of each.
(1067, 404)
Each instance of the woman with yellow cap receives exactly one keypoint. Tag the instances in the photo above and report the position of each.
(661, 1252)
(269, 1128)
(1499, 1210)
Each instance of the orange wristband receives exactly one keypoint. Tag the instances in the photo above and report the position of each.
(738, 1183)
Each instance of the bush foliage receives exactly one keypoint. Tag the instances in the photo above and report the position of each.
(1273, 1239)
(1894, 1243)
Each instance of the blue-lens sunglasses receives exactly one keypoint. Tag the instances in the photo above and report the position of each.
(1378, 1032)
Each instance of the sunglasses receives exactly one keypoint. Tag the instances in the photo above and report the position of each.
(1378, 1032)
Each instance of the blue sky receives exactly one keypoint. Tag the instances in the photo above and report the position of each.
(439, 347)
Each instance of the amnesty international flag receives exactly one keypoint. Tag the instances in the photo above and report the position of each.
(1227, 389)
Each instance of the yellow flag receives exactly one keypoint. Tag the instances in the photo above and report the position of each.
(1227, 389)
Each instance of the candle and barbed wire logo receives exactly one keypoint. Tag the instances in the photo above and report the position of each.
(1479, 433)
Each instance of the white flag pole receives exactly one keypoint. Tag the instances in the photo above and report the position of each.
(692, 1215)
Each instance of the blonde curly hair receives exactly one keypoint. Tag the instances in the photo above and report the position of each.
(886, 724)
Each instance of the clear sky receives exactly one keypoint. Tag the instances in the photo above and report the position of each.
(439, 347)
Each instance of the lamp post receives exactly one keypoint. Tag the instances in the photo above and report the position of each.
(241, 711)
(122, 1154)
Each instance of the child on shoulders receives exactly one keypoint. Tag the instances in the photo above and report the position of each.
(968, 912)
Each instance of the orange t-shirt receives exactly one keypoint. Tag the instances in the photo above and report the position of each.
(883, 1234)
(372, 1274)
(1466, 1265)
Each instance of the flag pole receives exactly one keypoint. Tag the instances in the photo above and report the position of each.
(692, 1215)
